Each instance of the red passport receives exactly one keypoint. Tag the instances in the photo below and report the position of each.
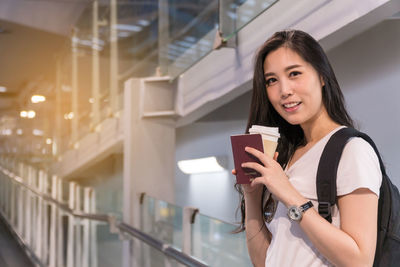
(239, 142)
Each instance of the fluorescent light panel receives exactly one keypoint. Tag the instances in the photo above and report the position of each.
(202, 165)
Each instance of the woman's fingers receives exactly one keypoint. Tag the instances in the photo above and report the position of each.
(253, 165)
(234, 172)
(260, 155)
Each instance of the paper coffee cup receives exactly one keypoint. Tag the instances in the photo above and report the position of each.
(270, 136)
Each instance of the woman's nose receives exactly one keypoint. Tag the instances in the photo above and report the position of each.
(286, 90)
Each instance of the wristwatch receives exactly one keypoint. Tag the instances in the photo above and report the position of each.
(296, 213)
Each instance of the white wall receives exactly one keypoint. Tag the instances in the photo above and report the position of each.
(213, 194)
(368, 69)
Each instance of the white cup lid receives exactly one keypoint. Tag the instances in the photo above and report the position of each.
(274, 131)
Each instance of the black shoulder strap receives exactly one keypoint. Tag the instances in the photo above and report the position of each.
(328, 165)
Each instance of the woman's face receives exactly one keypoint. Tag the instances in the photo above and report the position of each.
(293, 87)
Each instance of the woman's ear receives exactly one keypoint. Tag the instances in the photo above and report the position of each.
(322, 80)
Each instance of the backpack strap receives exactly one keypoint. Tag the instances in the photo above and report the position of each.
(328, 166)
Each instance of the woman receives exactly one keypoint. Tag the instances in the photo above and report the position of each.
(295, 89)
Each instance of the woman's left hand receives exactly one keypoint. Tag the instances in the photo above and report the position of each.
(272, 176)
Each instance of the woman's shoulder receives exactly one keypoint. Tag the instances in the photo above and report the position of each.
(358, 167)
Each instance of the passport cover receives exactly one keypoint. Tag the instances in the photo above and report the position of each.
(239, 142)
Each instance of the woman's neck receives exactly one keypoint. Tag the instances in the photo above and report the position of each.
(316, 130)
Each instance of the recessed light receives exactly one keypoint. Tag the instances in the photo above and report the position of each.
(3, 89)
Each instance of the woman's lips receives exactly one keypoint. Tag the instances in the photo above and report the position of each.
(293, 108)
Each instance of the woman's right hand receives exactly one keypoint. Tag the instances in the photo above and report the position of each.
(247, 188)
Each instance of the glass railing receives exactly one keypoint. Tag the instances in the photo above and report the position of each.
(116, 40)
(57, 223)
(162, 220)
(235, 14)
(208, 239)
(213, 242)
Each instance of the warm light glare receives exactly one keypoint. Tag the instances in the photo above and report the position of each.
(23, 114)
(3, 89)
(19, 131)
(202, 165)
(38, 98)
(69, 116)
(49, 141)
(91, 100)
(37, 132)
(6, 132)
(31, 114)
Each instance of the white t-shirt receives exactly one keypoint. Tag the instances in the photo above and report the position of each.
(358, 168)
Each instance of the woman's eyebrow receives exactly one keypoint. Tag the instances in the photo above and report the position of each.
(286, 69)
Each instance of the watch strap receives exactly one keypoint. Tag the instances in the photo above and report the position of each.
(306, 206)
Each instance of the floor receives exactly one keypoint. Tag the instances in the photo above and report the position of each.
(11, 253)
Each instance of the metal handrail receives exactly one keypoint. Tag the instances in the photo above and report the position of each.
(122, 227)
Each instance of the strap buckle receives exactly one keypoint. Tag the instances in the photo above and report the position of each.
(324, 209)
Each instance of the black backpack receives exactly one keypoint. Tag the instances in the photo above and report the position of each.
(388, 241)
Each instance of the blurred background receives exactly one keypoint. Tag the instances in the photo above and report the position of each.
(115, 117)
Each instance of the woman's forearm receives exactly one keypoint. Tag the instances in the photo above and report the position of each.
(258, 237)
(353, 244)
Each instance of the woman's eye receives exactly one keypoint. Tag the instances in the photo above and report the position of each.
(270, 81)
(294, 73)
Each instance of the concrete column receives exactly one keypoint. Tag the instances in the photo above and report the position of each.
(149, 156)
(95, 66)
(163, 36)
(113, 56)
(75, 119)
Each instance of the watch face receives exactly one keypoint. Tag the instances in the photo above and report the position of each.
(294, 213)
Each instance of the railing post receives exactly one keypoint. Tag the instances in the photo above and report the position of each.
(20, 215)
(93, 231)
(189, 214)
(53, 224)
(28, 209)
(78, 228)
(71, 223)
(60, 227)
(39, 230)
(86, 228)
(45, 220)
(13, 208)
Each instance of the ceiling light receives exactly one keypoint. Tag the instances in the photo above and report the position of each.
(91, 100)
(31, 114)
(6, 132)
(37, 132)
(2, 89)
(126, 27)
(49, 141)
(202, 165)
(23, 114)
(19, 131)
(38, 98)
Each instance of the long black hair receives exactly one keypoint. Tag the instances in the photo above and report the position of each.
(263, 113)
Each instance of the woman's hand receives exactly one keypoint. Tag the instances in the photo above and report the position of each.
(247, 188)
(273, 177)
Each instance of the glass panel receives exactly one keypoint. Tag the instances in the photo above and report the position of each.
(235, 14)
(191, 33)
(109, 247)
(162, 221)
(214, 243)
(145, 255)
